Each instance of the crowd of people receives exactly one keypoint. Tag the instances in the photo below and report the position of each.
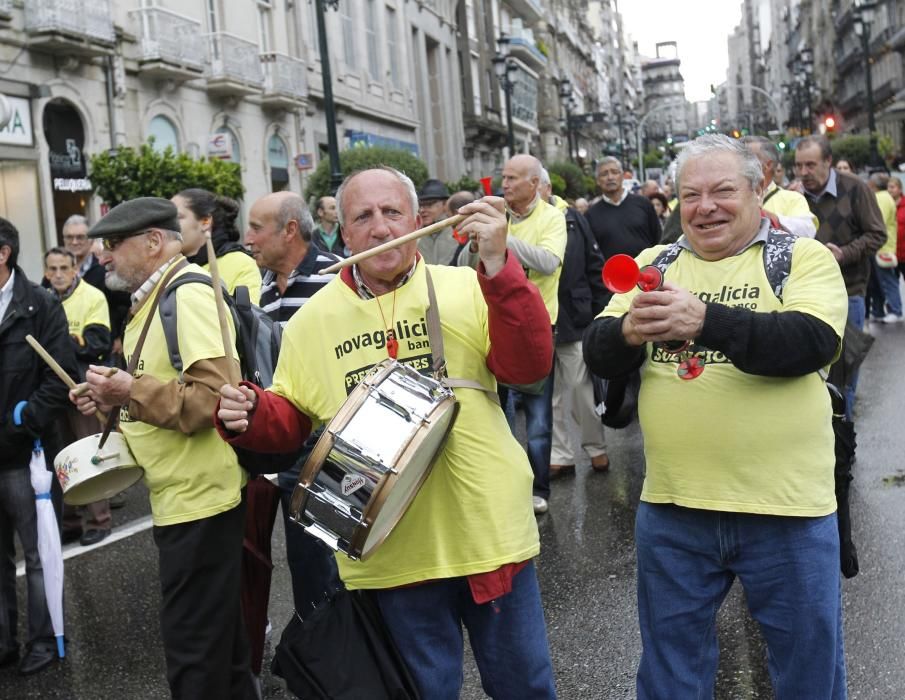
(778, 270)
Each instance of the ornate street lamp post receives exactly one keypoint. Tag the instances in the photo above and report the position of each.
(565, 97)
(863, 16)
(336, 175)
(502, 67)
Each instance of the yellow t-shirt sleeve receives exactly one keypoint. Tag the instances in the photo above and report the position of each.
(815, 285)
(554, 236)
(289, 375)
(198, 328)
(97, 312)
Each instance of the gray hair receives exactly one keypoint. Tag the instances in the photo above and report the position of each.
(606, 160)
(402, 177)
(710, 144)
(293, 208)
(171, 235)
(879, 180)
(763, 148)
(75, 220)
(545, 177)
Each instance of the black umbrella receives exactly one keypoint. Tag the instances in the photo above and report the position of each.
(342, 651)
(844, 432)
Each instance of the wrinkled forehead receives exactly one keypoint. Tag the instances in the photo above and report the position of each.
(376, 189)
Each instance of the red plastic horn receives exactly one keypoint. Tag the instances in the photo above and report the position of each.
(621, 273)
(486, 185)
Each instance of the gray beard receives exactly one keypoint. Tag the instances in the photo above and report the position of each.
(116, 283)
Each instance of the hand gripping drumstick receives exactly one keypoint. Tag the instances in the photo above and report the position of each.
(234, 377)
(389, 245)
(61, 373)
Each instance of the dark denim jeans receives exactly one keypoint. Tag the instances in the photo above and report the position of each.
(507, 636)
(18, 515)
(856, 314)
(789, 569)
(538, 410)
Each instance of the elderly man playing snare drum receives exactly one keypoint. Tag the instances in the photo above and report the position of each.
(194, 479)
(462, 553)
(740, 457)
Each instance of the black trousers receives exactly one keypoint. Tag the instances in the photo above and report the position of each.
(200, 615)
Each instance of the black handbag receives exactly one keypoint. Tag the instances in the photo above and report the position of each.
(616, 400)
(342, 651)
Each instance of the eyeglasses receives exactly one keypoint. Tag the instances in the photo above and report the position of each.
(75, 239)
(111, 244)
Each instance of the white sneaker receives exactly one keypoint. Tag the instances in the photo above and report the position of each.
(540, 505)
(892, 318)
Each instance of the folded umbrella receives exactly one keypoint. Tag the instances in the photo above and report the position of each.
(49, 547)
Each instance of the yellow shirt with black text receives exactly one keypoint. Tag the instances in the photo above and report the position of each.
(729, 440)
(86, 306)
(189, 477)
(474, 512)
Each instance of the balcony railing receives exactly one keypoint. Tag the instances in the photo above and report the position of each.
(83, 19)
(284, 75)
(171, 38)
(234, 59)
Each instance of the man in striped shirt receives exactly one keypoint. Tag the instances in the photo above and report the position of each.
(279, 236)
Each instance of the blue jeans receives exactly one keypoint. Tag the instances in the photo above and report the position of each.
(789, 569)
(856, 313)
(539, 427)
(507, 636)
(888, 277)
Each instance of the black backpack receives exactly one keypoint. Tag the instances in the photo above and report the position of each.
(258, 339)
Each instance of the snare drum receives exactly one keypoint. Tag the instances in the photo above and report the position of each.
(88, 475)
(372, 458)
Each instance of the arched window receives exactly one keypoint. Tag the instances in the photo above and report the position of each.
(236, 156)
(278, 158)
(164, 133)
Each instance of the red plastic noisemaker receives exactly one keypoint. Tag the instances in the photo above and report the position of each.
(621, 273)
(485, 185)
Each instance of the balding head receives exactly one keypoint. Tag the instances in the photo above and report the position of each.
(521, 177)
(279, 231)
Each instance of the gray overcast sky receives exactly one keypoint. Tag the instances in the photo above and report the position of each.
(701, 28)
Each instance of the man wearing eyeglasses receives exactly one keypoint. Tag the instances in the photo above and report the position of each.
(851, 226)
(196, 485)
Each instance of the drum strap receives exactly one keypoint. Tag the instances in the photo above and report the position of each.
(435, 335)
(133, 361)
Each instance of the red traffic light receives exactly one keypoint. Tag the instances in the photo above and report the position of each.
(830, 123)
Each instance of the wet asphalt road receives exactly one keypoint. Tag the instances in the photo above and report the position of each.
(587, 576)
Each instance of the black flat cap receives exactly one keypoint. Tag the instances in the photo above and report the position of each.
(135, 217)
(433, 190)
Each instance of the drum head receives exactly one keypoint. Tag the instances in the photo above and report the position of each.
(104, 486)
(398, 490)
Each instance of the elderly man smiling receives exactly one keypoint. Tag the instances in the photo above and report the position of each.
(740, 457)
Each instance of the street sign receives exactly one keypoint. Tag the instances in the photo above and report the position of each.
(304, 161)
(220, 146)
(578, 120)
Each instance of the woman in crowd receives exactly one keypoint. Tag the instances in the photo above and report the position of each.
(201, 212)
(661, 206)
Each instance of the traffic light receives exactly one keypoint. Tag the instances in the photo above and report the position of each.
(829, 123)
(736, 133)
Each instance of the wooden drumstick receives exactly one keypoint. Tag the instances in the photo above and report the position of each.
(395, 243)
(222, 311)
(84, 386)
(61, 373)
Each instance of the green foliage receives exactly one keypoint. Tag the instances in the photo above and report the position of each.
(559, 184)
(856, 149)
(467, 183)
(143, 172)
(573, 176)
(653, 158)
(590, 185)
(362, 158)
(542, 47)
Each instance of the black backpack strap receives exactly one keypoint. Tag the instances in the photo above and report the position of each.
(778, 259)
(168, 316)
(667, 257)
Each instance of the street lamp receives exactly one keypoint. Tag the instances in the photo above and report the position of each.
(863, 17)
(617, 108)
(565, 97)
(806, 62)
(503, 67)
(336, 175)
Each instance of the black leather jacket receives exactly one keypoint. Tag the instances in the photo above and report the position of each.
(581, 292)
(25, 377)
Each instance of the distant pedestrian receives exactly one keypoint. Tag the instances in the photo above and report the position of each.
(884, 300)
(895, 190)
(327, 234)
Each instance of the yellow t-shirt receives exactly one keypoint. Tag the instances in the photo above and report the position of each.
(238, 269)
(86, 306)
(545, 227)
(189, 476)
(473, 513)
(888, 209)
(729, 440)
(788, 203)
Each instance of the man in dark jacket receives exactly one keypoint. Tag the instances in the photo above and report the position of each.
(581, 297)
(25, 308)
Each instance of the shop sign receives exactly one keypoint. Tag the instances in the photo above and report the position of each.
(304, 161)
(220, 146)
(18, 130)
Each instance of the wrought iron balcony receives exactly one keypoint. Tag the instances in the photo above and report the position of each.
(529, 10)
(285, 82)
(82, 27)
(234, 68)
(171, 46)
